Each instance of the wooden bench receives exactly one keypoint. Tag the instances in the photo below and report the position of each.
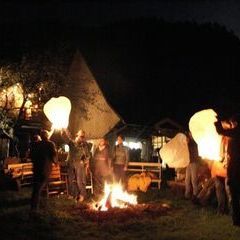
(56, 185)
(151, 167)
(23, 171)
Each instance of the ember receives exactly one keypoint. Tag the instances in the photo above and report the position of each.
(138, 211)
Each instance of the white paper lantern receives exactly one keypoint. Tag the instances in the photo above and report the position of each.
(204, 133)
(175, 153)
(57, 111)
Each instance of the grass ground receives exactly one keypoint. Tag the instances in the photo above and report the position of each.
(57, 221)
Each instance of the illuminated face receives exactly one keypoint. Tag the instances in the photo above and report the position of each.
(233, 123)
(230, 124)
(79, 138)
(102, 142)
(119, 140)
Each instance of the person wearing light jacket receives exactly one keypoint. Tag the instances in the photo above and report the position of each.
(120, 159)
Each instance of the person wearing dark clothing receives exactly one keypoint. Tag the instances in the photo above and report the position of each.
(231, 129)
(43, 154)
(191, 179)
(120, 159)
(36, 138)
(101, 167)
(78, 165)
(221, 195)
(219, 173)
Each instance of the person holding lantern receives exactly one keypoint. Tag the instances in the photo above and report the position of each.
(78, 164)
(231, 129)
(43, 153)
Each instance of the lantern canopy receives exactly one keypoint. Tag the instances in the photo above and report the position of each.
(204, 132)
(57, 111)
(175, 153)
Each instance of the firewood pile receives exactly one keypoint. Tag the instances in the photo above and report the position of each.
(139, 211)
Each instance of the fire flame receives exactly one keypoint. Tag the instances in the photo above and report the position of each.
(115, 196)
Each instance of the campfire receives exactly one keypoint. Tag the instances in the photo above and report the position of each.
(115, 197)
(119, 206)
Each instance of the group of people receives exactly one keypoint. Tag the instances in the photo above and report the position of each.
(110, 164)
(227, 188)
(106, 165)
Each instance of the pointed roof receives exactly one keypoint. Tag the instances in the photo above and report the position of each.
(168, 123)
(168, 127)
(90, 110)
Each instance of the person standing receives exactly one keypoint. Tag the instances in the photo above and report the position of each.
(219, 173)
(231, 129)
(191, 178)
(78, 165)
(101, 162)
(120, 159)
(43, 154)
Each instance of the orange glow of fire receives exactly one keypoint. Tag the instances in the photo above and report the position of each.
(115, 197)
(210, 147)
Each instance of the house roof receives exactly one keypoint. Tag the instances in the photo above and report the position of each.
(168, 127)
(168, 123)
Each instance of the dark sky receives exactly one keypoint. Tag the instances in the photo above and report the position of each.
(97, 13)
(224, 12)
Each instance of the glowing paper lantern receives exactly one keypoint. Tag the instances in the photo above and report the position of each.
(204, 133)
(57, 111)
(175, 153)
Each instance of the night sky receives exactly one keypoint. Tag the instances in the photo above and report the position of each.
(148, 69)
(98, 12)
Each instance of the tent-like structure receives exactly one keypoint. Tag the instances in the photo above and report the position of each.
(90, 110)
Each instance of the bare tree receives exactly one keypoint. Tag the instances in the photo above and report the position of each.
(40, 75)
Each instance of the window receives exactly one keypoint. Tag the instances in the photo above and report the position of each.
(159, 141)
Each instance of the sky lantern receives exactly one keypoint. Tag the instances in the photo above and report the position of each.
(57, 111)
(204, 133)
(175, 153)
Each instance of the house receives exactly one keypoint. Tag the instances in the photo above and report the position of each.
(165, 130)
(92, 112)
(149, 139)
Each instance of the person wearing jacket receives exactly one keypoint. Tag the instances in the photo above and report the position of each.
(120, 159)
(78, 164)
(43, 154)
(231, 129)
(101, 162)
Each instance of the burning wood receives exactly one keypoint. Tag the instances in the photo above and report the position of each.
(108, 205)
(115, 197)
(138, 211)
